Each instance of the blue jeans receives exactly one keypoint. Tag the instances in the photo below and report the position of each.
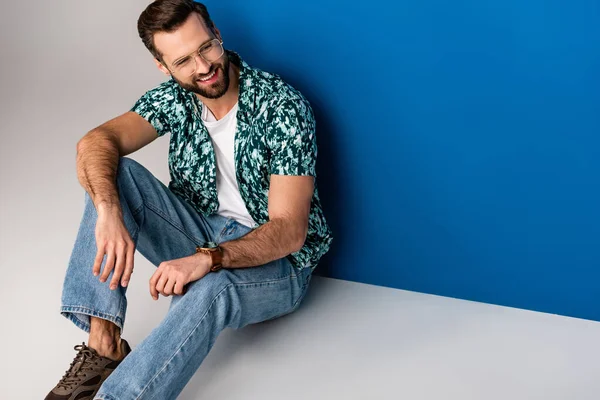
(163, 227)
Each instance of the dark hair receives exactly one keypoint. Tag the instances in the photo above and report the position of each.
(167, 16)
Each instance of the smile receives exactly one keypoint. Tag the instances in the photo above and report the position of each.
(210, 77)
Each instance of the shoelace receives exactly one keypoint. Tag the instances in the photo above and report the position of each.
(84, 361)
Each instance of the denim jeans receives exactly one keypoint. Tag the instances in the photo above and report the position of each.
(164, 227)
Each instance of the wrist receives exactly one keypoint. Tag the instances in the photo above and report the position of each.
(204, 262)
(213, 257)
(106, 207)
(225, 260)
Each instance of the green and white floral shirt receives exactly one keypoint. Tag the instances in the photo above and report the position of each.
(275, 135)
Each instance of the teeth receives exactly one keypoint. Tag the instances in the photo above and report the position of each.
(208, 77)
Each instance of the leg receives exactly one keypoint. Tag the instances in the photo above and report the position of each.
(161, 225)
(162, 364)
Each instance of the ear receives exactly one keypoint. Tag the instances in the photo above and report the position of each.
(162, 67)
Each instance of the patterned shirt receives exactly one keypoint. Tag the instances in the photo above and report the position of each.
(275, 135)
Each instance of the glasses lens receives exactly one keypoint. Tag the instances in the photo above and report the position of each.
(212, 51)
(188, 67)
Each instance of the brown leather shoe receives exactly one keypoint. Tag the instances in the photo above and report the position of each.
(86, 374)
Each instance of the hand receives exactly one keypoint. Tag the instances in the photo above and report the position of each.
(113, 239)
(171, 276)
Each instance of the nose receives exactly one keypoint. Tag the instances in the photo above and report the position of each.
(202, 66)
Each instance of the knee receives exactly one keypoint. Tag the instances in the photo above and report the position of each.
(206, 289)
(215, 292)
(129, 170)
(127, 164)
(130, 179)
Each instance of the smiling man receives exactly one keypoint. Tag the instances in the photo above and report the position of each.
(236, 234)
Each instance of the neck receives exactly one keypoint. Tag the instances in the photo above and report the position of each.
(221, 106)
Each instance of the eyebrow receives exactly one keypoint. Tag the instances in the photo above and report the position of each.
(187, 55)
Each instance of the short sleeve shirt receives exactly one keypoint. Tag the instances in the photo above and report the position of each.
(275, 134)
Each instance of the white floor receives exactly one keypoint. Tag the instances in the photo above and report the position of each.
(357, 341)
(347, 341)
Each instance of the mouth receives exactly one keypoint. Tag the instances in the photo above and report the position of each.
(207, 80)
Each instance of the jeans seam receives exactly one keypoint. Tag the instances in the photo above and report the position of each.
(274, 280)
(184, 342)
(138, 209)
(158, 212)
(225, 229)
(90, 312)
(194, 330)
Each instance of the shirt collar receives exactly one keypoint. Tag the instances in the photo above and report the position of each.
(247, 85)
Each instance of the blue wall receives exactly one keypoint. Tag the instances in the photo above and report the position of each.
(458, 140)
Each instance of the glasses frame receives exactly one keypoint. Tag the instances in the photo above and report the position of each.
(197, 52)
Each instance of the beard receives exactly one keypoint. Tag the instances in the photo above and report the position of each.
(209, 91)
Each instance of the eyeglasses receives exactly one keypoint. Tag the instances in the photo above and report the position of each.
(210, 52)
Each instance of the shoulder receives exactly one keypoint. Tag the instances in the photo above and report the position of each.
(166, 92)
(274, 95)
(284, 95)
(284, 110)
(166, 100)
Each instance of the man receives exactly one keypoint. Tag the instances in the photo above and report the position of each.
(235, 235)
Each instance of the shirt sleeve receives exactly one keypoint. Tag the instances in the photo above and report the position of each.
(154, 107)
(292, 140)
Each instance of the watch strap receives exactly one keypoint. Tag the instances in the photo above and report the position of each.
(216, 256)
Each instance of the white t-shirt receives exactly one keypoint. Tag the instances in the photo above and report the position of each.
(222, 133)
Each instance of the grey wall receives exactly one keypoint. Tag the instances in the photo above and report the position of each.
(67, 66)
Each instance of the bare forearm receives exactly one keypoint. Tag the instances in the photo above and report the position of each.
(271, 241)
(97, 161)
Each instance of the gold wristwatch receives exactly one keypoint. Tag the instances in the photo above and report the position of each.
(216, 255)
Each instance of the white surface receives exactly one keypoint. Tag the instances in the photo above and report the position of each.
(356, 341)
(346, 341)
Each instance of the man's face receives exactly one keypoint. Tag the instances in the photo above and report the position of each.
(185, 40)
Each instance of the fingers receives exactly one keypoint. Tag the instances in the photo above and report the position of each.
(168, 290)
(98, 260)
(171, 277)
(108, 266)
(120, 256)
(160, 285)
(128, 266)
(114, 241)
(124, 263)
(178, 289)
(166, 284)
(153, 280)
